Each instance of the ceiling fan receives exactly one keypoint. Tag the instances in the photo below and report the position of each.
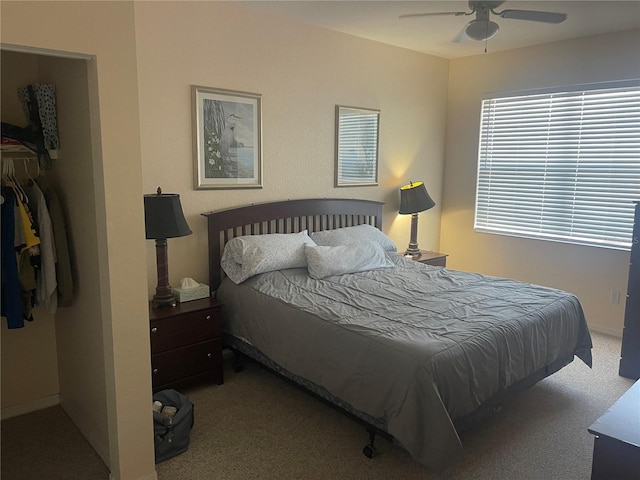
(482, 28)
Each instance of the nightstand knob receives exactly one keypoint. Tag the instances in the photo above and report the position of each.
(208, 317)
(154, 329)
(208, 355)
(155, 371)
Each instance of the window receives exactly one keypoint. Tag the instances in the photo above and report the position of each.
(561, 165)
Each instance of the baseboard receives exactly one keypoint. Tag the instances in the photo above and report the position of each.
(29, 407)
(606, 331)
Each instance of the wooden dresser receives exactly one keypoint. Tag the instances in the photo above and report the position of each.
(186, 344)
(616, 449)
(630, 355)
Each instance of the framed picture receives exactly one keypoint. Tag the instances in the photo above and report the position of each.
(356, 146)
(227, 141)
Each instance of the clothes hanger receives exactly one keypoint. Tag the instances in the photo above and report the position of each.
(30, 180)
(15, 184)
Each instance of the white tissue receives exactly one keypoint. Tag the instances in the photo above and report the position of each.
(188, 284)
(190, 290)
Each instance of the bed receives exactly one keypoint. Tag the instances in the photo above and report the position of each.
(415, 352)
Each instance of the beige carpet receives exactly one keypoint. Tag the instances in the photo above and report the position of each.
(258, 426)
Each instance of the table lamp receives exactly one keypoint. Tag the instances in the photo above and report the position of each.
(414, 199)
(163, 218)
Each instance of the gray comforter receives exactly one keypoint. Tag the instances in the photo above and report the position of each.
(415, 345)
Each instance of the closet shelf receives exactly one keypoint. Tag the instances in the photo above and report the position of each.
(21, 149)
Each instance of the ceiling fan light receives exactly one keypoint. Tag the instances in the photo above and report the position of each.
(482, 29)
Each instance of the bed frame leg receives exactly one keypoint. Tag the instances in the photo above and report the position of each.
(369, 450)
(238, 361)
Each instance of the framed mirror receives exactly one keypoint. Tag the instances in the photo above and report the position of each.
(357, 132)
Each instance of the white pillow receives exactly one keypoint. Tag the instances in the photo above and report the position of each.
(323, 261)
(248, 255)
(349, 235)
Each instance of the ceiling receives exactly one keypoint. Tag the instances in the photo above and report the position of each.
(443, 35)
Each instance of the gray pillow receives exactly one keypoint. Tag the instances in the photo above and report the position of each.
(353, 235)
(248, 255)
(323, 261)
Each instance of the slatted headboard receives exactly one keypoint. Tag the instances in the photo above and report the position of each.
(289, 216)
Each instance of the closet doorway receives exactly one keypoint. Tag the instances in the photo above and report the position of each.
(59, 358)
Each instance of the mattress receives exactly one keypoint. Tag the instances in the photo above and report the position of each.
(415, 345)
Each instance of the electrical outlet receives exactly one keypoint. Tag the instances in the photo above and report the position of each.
(615, 297)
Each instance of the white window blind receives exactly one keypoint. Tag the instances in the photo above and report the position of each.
(561, 166)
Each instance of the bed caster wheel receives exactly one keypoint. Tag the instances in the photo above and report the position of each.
(369, 451)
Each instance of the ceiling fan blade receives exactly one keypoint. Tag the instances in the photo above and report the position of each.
(434, 14)
(533, 15)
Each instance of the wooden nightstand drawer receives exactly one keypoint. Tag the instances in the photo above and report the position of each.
(181, 330)
(187, 361)
(186, 344)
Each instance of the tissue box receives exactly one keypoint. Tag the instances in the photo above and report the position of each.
(188, 294)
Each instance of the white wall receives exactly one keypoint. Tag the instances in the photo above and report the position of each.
(591, 273)
(110, 324)
(302, 73)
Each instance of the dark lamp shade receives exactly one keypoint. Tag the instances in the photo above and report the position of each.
(163, 217)
(414, 198)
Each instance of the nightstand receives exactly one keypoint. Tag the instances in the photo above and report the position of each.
(186, 344)
(432, 258)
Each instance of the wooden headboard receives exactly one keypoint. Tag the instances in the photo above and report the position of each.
(290, 216)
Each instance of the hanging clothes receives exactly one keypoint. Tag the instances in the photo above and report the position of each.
(39, 104)
(11, 301)
(63, 265)
(20, 239)
(46, 293)
(26, 245)
(28, 285)
(36, 263)
(29, 227)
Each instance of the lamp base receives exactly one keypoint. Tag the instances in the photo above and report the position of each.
(413, 248)
(163, 302)
(164, 297)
